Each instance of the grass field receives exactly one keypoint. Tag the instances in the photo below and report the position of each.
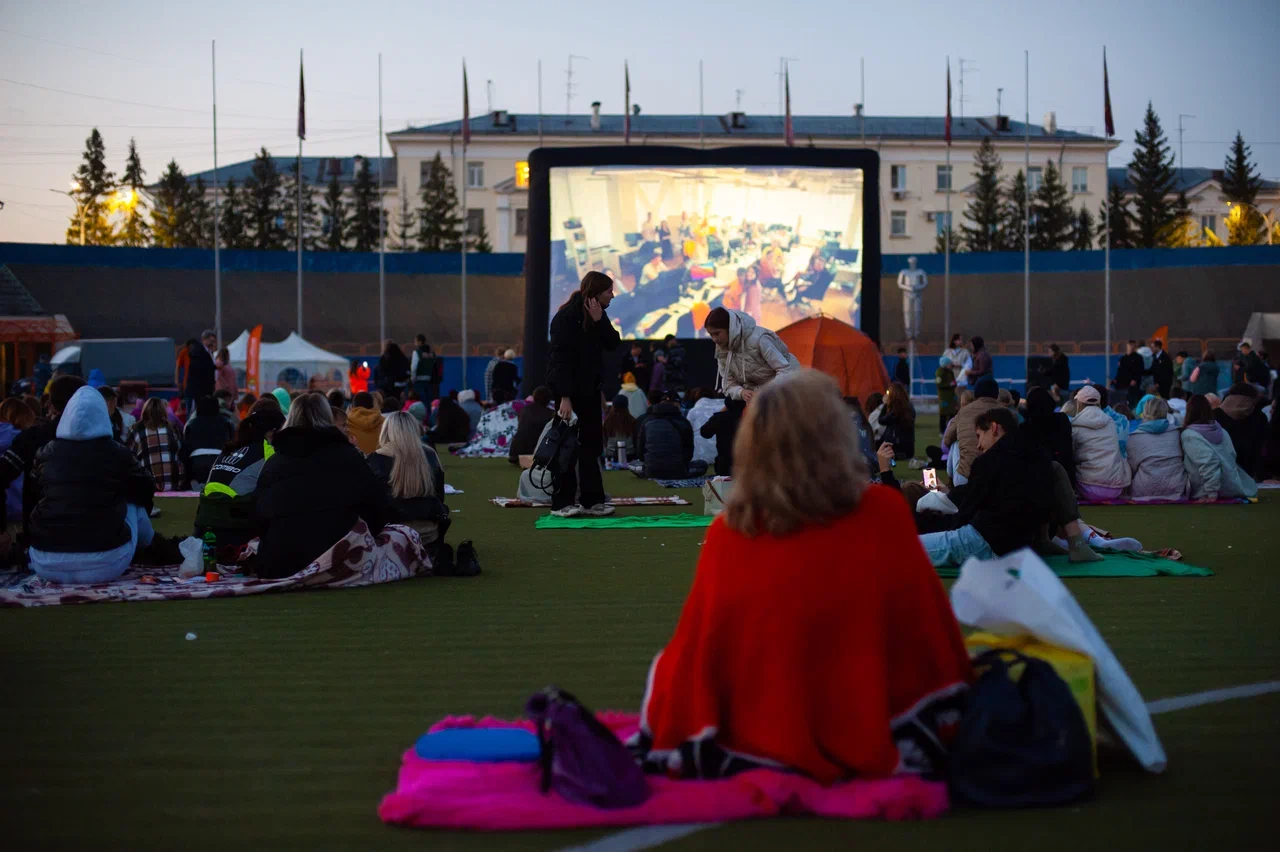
(282, 725)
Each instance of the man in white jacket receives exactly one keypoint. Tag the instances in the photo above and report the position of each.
(749, 356)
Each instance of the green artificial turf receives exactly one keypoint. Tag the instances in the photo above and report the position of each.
(282, 724)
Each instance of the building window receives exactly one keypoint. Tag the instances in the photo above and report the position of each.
(522, 222)
(1209, 223)
(424, 172)
(898, 178)
(1035, 177)
(944, 178)
(475, 175)
(898, 223)
(942, 220)
(475, 221)
(1079, 179)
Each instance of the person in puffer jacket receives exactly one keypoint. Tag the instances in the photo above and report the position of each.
(664, 442)
(1155, 456)
(749, 356)
(1241, 416)
(1101, 472)
(1210, 458)
(228, 501)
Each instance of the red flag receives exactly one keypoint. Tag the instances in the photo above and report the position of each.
(1106, 97)
(302, 101)
(466, 108)
(947, 131)
(626, 115)
(788, 132)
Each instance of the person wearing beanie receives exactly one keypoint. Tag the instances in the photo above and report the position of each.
(960, 431)
(364, 422)
(637, 399)
(1101, 471)
(282, 397)
(749, 356)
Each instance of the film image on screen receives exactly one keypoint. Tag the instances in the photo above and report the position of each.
(779, 243)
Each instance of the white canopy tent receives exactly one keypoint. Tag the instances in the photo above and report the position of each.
(293, 362)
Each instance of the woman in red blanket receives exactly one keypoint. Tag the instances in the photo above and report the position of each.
(816, 637)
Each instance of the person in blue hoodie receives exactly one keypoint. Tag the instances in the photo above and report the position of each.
(93, 499)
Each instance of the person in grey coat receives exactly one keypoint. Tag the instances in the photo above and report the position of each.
(749, 356)
(1155, 456)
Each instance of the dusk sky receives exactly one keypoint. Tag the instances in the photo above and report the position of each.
(141, 69)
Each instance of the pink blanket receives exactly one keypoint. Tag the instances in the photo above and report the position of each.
(506, 796)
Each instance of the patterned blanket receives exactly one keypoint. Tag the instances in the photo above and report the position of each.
(359, 559)
(517, 503)
(695, 482)
(493, 434)
(1127, 501)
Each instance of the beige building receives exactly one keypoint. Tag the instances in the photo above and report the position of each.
(1209, 207)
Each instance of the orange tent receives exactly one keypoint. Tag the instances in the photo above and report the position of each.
(840, 351)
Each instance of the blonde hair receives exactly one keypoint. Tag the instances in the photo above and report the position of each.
(797, 458)
(1155, 409)
(309, 411)
(401, 439)
(966, 397)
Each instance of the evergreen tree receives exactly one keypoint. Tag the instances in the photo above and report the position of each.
(957, 242)
(1240, 185)
(1013, 214)
(1051, 209)
(1151, 171)
(337, 218)
(233, 228)
(402, 235)
(135, 230)
(365, 208)
(984, 210)
(264, 204)
(1122, 236)
(439, 224)
(169, 216)
(1181, 232)
(200, 218)
(94, 182)
(310, 212)
(1082, 230)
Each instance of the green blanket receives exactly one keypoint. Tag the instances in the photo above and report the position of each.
(623, 522)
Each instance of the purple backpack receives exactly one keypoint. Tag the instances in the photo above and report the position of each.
(581, 758)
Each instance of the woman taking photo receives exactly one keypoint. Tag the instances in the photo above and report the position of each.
(580, 336)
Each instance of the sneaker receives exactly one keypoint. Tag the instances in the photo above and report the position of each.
(155, 512)
(600, 510)
(574, 511)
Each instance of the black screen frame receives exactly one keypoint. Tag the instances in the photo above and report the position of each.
(537, 266)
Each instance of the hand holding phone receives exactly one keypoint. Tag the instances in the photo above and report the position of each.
(930, 479)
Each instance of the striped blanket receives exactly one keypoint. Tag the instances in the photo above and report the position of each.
(517, 503)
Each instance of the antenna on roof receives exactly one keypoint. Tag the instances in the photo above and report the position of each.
(488, 96)
(971, 67)
(568, 87)
(738, 93)
(999, 98)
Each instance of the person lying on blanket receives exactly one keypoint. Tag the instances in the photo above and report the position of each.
(795, 649)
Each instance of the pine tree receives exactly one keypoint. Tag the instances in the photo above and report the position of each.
(94, 182)
(402, 235)
(365, 207)
(200, 218)
(135, 230)
(479, 241)
(1181, 232)
(337, 218)
(957, 242)
(1240, 185)
(169, 216)
(984, 210)
(1051, 209)
(310, 211)
(233, 228)
(1151, 171)
(1013, 214)
(439, 224)
(1082, 230)
(264, 204)
(1122, 236)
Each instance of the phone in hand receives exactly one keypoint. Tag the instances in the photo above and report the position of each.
(930, 479)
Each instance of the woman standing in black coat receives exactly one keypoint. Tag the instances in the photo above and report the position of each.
(580, 336)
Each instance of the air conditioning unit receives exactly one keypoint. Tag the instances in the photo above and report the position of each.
(929, 215)
(900, 193)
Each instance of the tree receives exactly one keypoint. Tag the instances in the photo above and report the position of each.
(1121, 220)
(439, 225)
(984, 210)
(200, 218)
(1013, 214)
(366, 206)
(169, 215)
(93, 183)
(402, 235)
(1240, 185)
(311, 228)
(233, 228)
(1181, 232)
(479, 241)
(1153, 178)
(264, 204)
(957, 242)
(1051, 209)
(135, 230)
(1082, 230)
(337, 218)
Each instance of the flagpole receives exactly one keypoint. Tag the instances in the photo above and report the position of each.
(702, 140)
(466, 217)
(1026, 214)
(539, 103)
(302, 129)
(1106, 214)
(382, 227)
(946, 262)
(217, 259)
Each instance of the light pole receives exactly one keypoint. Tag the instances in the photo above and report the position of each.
(1268, 219)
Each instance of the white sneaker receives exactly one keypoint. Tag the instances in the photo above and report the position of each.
(155, 511)
(574, 511)
(600, 510)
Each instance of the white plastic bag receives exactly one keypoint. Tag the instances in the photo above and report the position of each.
(1035, 601)
(192, 550)
(936, 501)
(715, 492)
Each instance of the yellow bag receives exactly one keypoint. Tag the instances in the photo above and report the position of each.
(1073, 667)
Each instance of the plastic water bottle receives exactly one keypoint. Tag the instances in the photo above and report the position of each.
(622, 453)
(209, 552)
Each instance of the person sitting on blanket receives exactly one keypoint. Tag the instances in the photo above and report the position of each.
(1210, 457)
(94, 499)
(1155, 455)
(619, 430)
(795, 650)
(1241, 416)
(154, 440)
(723, 426)
(206, 433)
(453, 424)
(312, 491)
(411, 474)
(960, 434)
(664, 442)
(227, 503)
(364, 422)
(529, 424)
(1101, 472)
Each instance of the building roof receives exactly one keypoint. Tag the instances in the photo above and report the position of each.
(15, 299)
(500, 123)
(1184, 180)
(314, 170)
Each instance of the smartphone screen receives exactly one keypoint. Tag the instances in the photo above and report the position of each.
(930, 479)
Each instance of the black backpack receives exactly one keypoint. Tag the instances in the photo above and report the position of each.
(1020, 743)
(556, 453)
